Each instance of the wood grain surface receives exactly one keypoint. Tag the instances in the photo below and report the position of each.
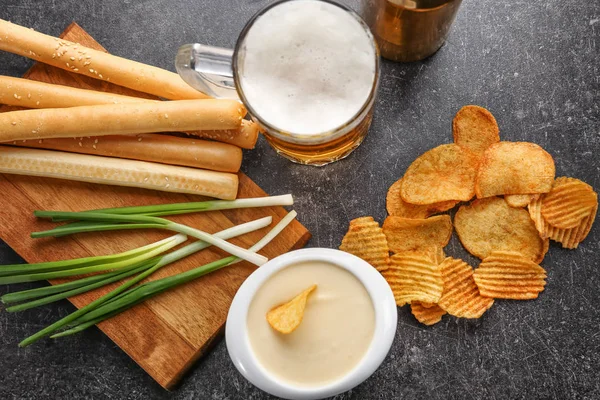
(166, 334)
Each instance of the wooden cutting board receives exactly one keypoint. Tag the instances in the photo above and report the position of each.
(168, 333)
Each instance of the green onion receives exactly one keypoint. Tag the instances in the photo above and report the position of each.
(132, 297)
(128, 262)
(140, 267)
(83, 326)
(185, 208)
(49, 290)
(17, 269)
(169, 258)
(154, 222)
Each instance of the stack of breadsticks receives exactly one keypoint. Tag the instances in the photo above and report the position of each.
(92, 136)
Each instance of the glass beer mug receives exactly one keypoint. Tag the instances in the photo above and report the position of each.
(306, 70)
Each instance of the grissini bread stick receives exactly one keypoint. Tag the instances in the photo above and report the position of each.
(34, 94)
(93, 63)
(121, 119)
(165, 149)
(244, 137)
(115, 171)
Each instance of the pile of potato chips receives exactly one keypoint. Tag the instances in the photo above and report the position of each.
(510, 234)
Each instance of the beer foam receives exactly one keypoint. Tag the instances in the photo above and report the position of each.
(306, 66)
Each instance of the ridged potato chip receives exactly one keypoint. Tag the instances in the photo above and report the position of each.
(535, 213)
(406, 234)
(461, 296)
(427, 313)
(509, 275)
(475, 129)
(569, 202)
(399, 208)
(286, 317)
(568, 238)
(444, 173)
(514, 168)
(519, 200)
(414, 277)
(365, 239)
(435, 254)
(490, 224)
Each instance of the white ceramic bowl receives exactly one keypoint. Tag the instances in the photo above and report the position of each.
(242, 355)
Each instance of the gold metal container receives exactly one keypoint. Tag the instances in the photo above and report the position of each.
(409, 30)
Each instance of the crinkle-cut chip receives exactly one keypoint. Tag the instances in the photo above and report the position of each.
(490, 224)
(535, 213)
(438, 255)
(475, 128)
(428, 315)
(509, 275)
(444, 173)
(519, 200)
(365, 239)
(399, 208)
(461, 296)
(286, 317)
(514, 168)
(568, 238)
(569, 201)
(406, 234)
(435, 254)
(414, 277)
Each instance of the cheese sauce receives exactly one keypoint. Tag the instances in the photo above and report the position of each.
(334, 335)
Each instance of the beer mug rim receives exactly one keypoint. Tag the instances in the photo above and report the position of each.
(320, 136)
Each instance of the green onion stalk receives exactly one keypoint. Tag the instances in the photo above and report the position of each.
(125, 296)
(118, 222)
(186, 208)
(88, 265)
(69, 289)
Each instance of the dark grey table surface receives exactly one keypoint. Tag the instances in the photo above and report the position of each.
(535, 64)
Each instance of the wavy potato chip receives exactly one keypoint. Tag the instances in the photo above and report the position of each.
(444, 173)
(519, 200)
(435, 254)
(461, 296)
(399, 208)
(568, 238)
(406, 234)
(475, 129)
(569, 202)
(514, 168)
(365, 239)
(286, 317)
(535, 213)
(509, 275)
(414, 277)
(491, 224)
(427, 313)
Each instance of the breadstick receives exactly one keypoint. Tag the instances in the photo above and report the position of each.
(244, 137)
(120, 119)
(114, 171)
(163, 149)
(34, 94)
(76, 58)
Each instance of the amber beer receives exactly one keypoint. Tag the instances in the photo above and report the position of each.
(409, 30)
(307, 71)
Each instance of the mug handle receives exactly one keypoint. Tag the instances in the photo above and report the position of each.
(207, 69)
